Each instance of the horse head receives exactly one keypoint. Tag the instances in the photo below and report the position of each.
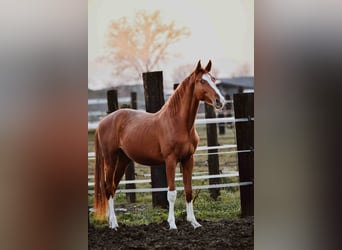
(205, 87)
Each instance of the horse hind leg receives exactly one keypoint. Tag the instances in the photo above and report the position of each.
(187, 181)
(122, 163)
(110, 164)
(115, 171)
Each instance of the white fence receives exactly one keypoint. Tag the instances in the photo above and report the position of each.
(91, 155)
(149, 190)
(94, 125)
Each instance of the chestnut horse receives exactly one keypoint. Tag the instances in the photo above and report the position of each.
(166, 137)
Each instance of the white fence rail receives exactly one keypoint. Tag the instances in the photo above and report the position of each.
(93, 125)
(233, 174)
(91, 155)
(149, 190)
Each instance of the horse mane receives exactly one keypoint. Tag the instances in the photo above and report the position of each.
(176, 98)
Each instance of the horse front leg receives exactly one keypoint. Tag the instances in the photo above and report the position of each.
(187, 181)
(171, 193)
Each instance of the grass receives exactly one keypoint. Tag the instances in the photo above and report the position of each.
(226, 206)
(205, 208)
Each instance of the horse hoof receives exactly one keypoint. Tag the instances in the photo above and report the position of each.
(173, 226)
(115, 227)
(195, 224)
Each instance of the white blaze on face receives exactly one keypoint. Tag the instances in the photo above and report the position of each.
(207, 77)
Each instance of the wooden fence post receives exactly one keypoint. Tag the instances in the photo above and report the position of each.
(244, 108)
(130, 171)
(112, 100)
(134, 104)
(213, 160)
(222, 125)
(154, 100)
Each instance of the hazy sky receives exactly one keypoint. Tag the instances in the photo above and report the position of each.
(221, 30)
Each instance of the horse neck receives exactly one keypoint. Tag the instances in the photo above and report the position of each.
(183, 105)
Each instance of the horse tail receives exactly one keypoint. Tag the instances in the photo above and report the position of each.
(100, 199)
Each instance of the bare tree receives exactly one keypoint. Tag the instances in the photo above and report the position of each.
(181, 72)
(138, 46)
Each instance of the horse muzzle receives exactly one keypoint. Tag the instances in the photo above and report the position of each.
(218, 104)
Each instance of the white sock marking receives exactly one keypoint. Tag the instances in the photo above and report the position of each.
(171, 197)
(190, 215)
(111, 214)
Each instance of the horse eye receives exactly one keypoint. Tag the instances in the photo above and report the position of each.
(202, 81)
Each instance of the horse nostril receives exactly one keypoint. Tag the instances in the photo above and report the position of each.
(218, 104)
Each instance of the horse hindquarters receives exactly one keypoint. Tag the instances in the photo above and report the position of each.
(109, 168)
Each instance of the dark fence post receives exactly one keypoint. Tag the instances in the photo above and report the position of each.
(213, 160)
(244, 108)
(130, 171)
(134, 104)
(112, 100)
(222, 125)
(154, 100)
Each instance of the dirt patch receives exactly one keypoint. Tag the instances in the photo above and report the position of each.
(224, 234)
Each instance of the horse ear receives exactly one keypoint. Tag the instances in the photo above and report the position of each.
(198, 67)
(208, 67)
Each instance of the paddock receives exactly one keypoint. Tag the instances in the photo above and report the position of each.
(228, 168)
(236, 232)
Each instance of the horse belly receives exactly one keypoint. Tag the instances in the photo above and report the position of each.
(146, 159)
(144, 155)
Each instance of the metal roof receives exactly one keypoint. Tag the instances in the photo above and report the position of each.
(242, 81)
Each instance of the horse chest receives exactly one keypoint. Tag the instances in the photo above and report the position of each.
(185, 149)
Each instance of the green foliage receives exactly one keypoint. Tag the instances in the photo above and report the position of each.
(226, 206)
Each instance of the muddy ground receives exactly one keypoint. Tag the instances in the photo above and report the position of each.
(224, 234)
